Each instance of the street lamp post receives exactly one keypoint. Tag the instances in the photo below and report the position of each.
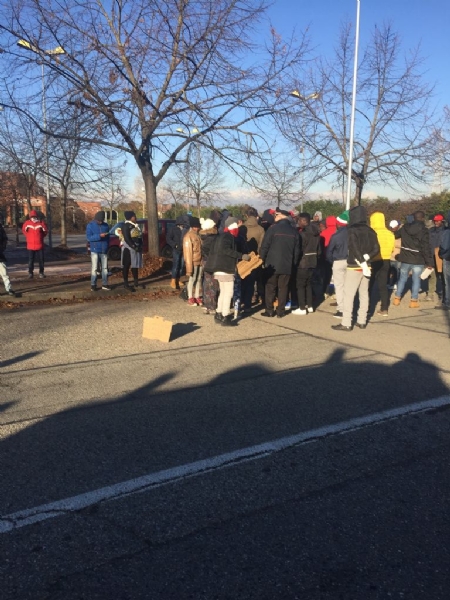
(53, 52)
(352, 117)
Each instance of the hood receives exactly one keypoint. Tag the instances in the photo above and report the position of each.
(377, 221)
(179, 220)
(330, 221)
(184, 220)
(414, 228)
(251, 222)
(358, 214)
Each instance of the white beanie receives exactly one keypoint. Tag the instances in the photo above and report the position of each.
(393, 224)
(207, 223)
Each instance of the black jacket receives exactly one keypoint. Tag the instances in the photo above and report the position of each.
(415, 244)
(280, 249)
(338, 246)
(208, 237)
(362, 239)
(3, 243)
(309, 246)
(222, 254)
(134, 242)
(174, 237)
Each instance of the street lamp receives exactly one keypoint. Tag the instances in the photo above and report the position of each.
(53, 52)
(352, 117)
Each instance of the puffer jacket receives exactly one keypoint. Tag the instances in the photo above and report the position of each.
(362, 239)
(192, 251)
(255, 234)
(34, 232)
(310, 246)
(386, 238)
(97, 243)
(338, 246)
(415, 244)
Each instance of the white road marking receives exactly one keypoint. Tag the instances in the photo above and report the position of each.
(29, 516)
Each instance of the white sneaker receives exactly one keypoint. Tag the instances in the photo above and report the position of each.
(310, 309)
(299, 311)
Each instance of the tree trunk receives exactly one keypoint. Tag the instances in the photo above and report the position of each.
(358, 192)
(152, 211)
(63, 217)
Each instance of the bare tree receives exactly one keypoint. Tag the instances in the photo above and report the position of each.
(277, 178)
(393, 120)
(145, 69)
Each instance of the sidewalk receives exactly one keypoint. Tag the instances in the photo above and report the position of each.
(68, 278)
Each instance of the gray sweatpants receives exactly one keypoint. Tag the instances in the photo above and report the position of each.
(355, 282)
(4, 276)
(339, 272)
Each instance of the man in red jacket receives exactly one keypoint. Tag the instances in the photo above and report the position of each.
(35, 231)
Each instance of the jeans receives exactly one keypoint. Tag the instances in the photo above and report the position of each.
(4, 276)
(446, 277)
(32, 255)
(416, 273)
(177, 263)
(94, 262)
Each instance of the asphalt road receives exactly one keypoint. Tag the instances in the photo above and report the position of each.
(277, 459)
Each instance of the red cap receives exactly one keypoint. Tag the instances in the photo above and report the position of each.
(438, 218)
(33, 213)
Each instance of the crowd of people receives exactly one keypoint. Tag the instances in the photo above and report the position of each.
(294, 261)
(304, 258)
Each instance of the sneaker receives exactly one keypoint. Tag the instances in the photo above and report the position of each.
(338, 314)
(228, 321)
(192, 302)
(299, 311)
(397, 301)
(30, 275)
(288, 306)
(361, 325)
(218, 318)
(310, 309)
(106, 288)
(199, 301)
(340, 327)
(268, 313)
(382, 313)
(93, 288)
(11, 292)
(41, 276)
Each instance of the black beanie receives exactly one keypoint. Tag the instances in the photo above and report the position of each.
(194, 222)
(100, 215)
(129, 214)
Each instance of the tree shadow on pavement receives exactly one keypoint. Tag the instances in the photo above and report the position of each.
(147, 430)
(17, 359)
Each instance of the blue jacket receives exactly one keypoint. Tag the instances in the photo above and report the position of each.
(93, 231)
(338, 246)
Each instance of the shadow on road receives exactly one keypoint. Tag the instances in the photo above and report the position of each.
(18, 359)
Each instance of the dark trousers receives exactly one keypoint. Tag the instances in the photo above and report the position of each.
(281, 283)
(248, 289)
(380, 274)
(304, 287)
(177, 263)
(32, 256)
(126, 264)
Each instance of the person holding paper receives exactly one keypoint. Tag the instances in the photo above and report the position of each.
(415, 256)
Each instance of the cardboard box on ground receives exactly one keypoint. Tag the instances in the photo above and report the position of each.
(156, 328)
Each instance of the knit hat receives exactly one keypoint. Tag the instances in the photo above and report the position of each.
(194, 222)
(129, 214)
(100, 215)
(438, 218)
(343, 218)
(393, 224)
(33, 213)
(207, 223)
(231, 223)
(285, 213)
(319, 214)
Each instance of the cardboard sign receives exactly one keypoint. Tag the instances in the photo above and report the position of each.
(156, 328)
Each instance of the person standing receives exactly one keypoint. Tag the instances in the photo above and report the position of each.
(97, 234)
(208, 235)
(382, 262)
(131, 243)
(309, 253)
(337, 253)
(280, 251)
(3, 270)
(192, 253)
(394, 271)
(415, 255)
(362, 247)
(436, 232)
(444, 254)
(174, 238)
(35, 230)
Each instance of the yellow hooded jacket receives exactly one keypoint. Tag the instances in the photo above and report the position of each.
(386, 238)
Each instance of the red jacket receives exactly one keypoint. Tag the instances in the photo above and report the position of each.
(328, 232)
(35, 232)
